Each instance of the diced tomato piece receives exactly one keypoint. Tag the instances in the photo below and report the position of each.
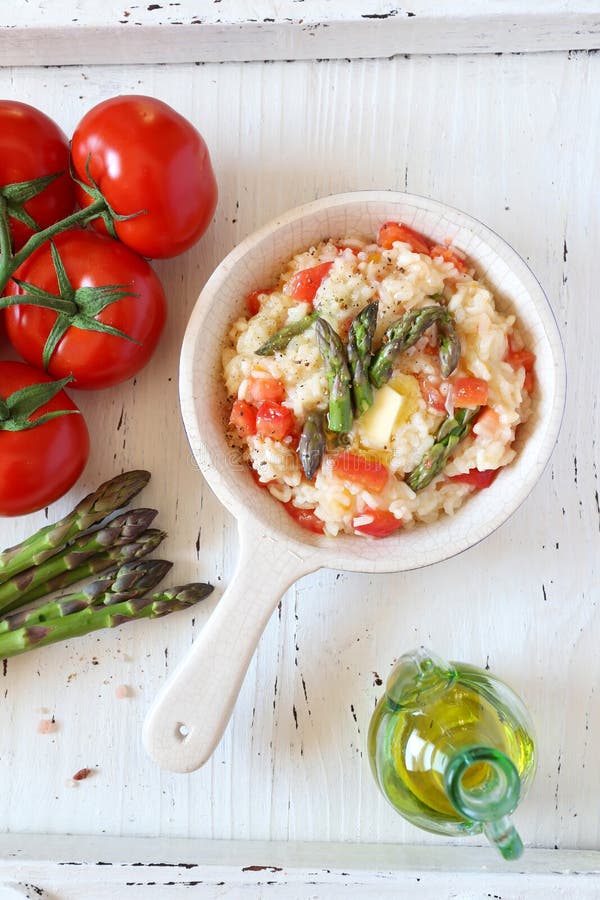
(448, 255)
(395, 231)
(243, 416)
(265, 389)
(432, 395)
(487, 423)
(305, 284)
(383, 524)
(476, 478)
(368, 473)
(305, 518)
(469, 392)
(252, 301)
(274, 420)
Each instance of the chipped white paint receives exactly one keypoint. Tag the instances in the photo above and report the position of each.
(502, 138)
(274, 550)
(39, 32)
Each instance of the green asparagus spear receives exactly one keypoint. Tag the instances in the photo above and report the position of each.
(93, 618)
(281, 338)
(129, 582)
(120, 530)
(113, 556)
(92, 509)
(339, 418)
(450, 433)
(449, 349)
(401, 335)
(312, 443)
(360, 342)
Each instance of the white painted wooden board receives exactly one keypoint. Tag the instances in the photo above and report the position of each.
(512, 140)
(38, 32)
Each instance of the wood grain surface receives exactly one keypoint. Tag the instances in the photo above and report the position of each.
(513, 140)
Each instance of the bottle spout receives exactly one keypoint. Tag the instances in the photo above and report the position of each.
(483, 785)
(416, 677)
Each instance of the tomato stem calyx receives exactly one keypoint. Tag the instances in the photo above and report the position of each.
(74, 307)
(109, 216)
(16, 410)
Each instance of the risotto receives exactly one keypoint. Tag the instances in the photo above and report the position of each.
(376, 385)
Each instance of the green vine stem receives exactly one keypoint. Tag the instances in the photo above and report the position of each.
(9, 263)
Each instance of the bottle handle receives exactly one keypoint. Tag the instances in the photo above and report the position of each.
(503, 835)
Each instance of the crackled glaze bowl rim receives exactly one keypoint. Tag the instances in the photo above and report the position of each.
(258, 258)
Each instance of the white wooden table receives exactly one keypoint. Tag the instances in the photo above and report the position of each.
(512, 138)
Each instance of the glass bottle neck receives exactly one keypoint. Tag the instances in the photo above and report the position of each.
(483, 785)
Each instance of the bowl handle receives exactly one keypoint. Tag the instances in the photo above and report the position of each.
(190, 714)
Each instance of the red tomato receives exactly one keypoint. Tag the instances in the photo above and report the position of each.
(305, 284)
(524, 358)
(274, 420)
(395, 231)
(305, 518)
(243, 416)
(38, 465)
(469, 392)
(145, 156)
(96, 359)
(476, 478)
(383, 524)
(448, 255)
(368, 473)
(31, 146)
(431, 393)
(265, 389)
(252, 301)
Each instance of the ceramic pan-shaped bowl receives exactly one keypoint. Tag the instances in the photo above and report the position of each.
(190, 715)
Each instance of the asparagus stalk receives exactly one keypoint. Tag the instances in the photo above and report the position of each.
(131, 581)
(339, 418)
(120, 530)
(449, 349)
(312, 443)
(450, 433)
(113, 556)
(93, 618)
(94, 508)
(360, 342)
(279, 341)
(401, 335)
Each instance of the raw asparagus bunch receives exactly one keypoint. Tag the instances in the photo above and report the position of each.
(450, 433)
(130, 582)
(278, 343)
(110, 496)
(406, 332)
(92, 618)
(110, 558)
(339, 418)
(360, 343)
(33, 582)
(312, 444)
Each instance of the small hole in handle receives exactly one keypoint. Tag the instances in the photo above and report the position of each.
(182, 731)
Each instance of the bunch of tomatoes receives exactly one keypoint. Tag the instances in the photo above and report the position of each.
(81, 304)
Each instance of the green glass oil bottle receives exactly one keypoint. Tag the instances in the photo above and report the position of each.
(452, 749)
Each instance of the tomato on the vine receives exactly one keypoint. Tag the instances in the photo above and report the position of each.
(38, 465)
(96, 359)
(146, 158)
(33, 146)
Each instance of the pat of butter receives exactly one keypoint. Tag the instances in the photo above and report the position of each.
(377, 424)
(408, 387)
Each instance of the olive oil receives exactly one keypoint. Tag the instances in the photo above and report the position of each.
(443, 728)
